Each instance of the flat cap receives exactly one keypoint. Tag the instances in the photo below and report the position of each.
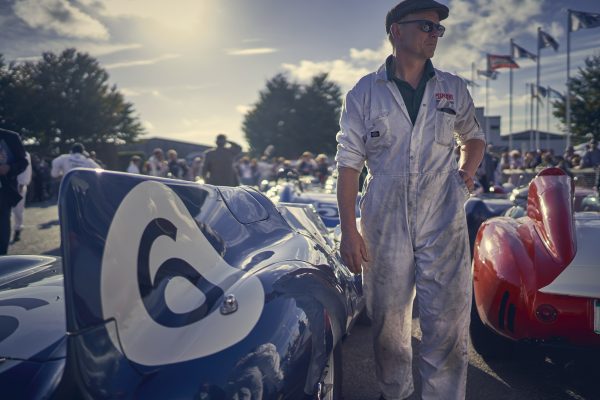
(411, 6)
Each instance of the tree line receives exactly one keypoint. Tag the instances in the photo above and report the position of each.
(64, 98)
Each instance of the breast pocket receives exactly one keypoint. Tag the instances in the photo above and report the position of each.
(444, 128)
(377, 134)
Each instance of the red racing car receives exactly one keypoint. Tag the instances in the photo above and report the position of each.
(536, 278)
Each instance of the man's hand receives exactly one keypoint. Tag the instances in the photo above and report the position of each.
(353, 251)
(4, 168)
(468, 180)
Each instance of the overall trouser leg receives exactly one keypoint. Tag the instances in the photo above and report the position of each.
(389, 281)
(443, 285)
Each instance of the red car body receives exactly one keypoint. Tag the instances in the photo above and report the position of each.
(516, 261)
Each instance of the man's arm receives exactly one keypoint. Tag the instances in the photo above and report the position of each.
(352, 247)
(93, 164)
(471, 154)
(234, 148)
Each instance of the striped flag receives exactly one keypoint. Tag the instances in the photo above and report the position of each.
(496, 61)
(545, 40)
(519, 52)
(582, 20)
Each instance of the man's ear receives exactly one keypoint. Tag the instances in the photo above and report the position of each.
(395, 31)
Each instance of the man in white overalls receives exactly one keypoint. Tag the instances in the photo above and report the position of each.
(403, 122)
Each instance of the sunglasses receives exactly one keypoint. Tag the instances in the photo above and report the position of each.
(427, 26)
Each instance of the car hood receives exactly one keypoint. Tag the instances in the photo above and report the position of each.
(582, 277)
(32, 310)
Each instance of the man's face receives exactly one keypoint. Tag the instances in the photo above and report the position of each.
(412, 40)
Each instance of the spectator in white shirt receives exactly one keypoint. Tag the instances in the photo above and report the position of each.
(66, 162)
(134, 165)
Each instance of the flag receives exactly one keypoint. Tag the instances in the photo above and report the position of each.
(555, 93)
(582, 20)
(545, 40)
(519, 52)
(495, 62)
(542, 91)
(488, 74)
(538, 91)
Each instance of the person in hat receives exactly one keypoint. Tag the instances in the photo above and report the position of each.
(403, 122)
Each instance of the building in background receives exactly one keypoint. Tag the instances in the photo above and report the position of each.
(525, 141)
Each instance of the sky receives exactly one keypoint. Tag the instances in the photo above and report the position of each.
(193, 68)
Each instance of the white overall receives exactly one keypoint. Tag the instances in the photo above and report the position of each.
(414, 226)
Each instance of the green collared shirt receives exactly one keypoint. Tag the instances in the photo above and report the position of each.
(412, 97)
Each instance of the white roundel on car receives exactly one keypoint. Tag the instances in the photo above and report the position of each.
(141, 338)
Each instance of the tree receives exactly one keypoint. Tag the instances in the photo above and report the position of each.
(66, 98)
(585, 101)
(294, 118)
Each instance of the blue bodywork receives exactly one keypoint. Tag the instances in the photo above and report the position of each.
(324, 203)
(137, 307)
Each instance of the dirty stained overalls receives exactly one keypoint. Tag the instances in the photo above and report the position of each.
(414, 226)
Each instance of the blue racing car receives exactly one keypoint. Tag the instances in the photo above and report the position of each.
(172, 289)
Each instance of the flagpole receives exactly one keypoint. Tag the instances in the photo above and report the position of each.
(548, 118)
(548, 109)
(510, 107)
(537, 104)
(531, 138)
(526, 109)
(568, 105)
(487, 89)
(473, 77)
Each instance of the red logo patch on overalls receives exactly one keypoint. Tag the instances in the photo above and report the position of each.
(447, 96)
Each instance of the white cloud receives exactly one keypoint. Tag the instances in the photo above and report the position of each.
(148, 126)
(340, 71)
(60, 17)
(137, 63)
(371, 55)
(474, 28)
(243, 109)
(106, 49)
(251, 52)
(130, 92)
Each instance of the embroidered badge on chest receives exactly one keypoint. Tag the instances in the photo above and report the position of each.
(375, 134)
(445, 98)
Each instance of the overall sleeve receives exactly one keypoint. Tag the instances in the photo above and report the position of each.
(466, 126)
(351, 145)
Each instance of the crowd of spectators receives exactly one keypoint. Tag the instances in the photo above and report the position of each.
(495, 165)
(252, 171)
(248, 170)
